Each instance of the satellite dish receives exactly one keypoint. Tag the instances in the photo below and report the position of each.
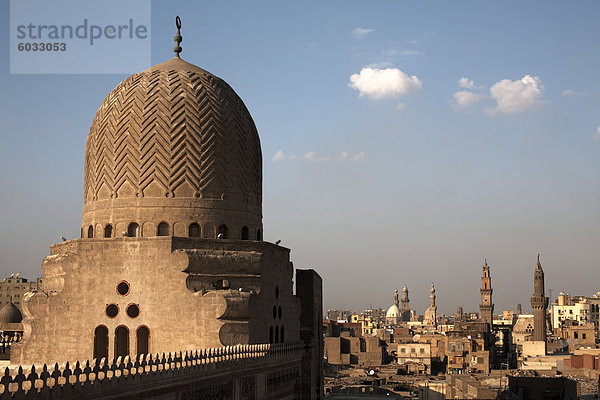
(416, 338)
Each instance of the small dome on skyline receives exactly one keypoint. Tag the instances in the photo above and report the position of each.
(393, 312)
(10, 314)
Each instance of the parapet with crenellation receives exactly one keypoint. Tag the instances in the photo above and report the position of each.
(258, 371)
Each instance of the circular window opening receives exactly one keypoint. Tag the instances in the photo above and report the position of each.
(280, 312)
(112, 310)
(274, 312)
(133, 310)
(123, 288)
(276, 292)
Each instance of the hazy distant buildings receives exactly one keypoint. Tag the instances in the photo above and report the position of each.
(467, 351)
(339, 315)
(469, 342)
(459, 314)
(345, 343)
(415, 358)
(13, 288)
(578, 309)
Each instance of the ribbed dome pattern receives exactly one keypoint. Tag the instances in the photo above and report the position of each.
(173, 125)
(177, 137)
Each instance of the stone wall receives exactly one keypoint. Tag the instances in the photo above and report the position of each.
(468, 387)
(535, 388)
(260, 371)
(190, 294)
(309, 289)
(363, 351)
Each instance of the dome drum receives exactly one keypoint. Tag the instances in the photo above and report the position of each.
(179, 215)
(190, 228)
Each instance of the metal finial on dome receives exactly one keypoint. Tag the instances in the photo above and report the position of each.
(178, 38)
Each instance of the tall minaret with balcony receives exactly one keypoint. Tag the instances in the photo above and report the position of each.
(486, 307)
(405, 309)
(539, 303)
(430, 318)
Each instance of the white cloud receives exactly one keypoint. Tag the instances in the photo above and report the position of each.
(361, 33)
(464, 98)
(597, 135)
(379, 83)
(569, 93)
(467, 98)
(344, 155)
(280, 156)
(411, 53)
(312, 156)
(400, 106)
(359, 156)
(515, 96)
(381, 65)
(466, 83)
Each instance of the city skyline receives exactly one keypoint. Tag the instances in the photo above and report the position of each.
(402, 144)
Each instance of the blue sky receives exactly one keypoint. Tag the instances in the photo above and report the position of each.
(382, 167)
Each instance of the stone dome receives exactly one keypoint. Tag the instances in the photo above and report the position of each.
(10, 314)
(173, 151)
(393, 312)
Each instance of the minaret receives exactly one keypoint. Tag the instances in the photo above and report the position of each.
(431, 313)
(405, 310)
(539, 304)
(396, 302)
(459, 314)
(486, 307)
